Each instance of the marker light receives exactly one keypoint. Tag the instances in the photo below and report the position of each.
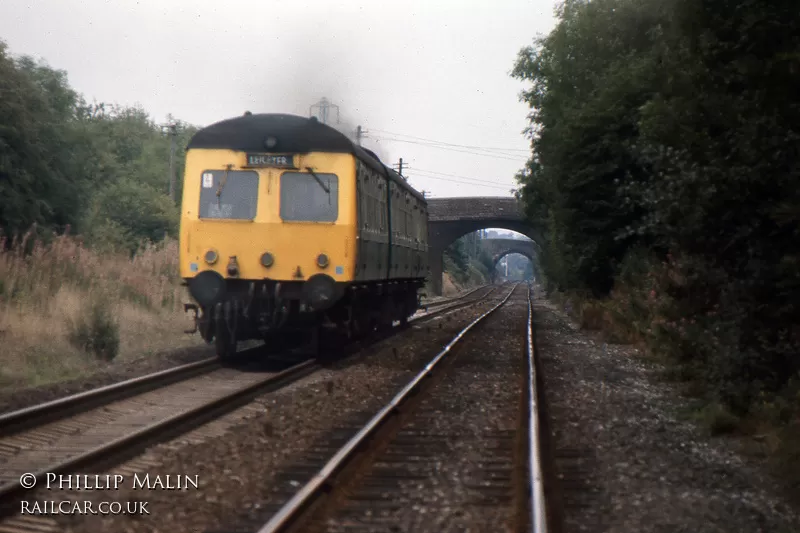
(211, 257)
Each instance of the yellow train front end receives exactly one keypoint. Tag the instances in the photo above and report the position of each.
(267, 223)
(268, 226)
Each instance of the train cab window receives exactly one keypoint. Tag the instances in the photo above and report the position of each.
(228, 194)
(307, 197)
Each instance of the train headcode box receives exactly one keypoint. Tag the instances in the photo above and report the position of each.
(270, 160)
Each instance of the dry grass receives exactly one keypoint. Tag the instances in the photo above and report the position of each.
(45, 291)
(449, 286)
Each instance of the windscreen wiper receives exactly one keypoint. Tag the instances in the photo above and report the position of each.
(324, 187)
(222, 183)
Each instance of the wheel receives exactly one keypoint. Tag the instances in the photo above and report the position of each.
(364, 324)
(225, 342)
(206, 325)
(314, 341)
(400, 312)
(348, 324)
(386, 315)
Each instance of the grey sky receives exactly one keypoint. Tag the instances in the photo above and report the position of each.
(416, 70)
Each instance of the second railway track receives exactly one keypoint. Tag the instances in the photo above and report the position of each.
(34, 416)
(104, 426)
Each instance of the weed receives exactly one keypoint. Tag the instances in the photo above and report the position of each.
(95, 331)
(60, 300)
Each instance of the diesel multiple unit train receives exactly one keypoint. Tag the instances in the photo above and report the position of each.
(289, 229)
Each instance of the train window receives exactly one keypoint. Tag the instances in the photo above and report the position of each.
(309, 197)
(228, 194)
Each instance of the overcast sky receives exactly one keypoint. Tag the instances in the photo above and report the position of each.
(427, 72)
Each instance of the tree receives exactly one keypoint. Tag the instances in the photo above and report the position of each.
(665, 140)
(63, 162)
(127, 211)
(589, 78)
(722, 136)
(457, 253)
(38, 182)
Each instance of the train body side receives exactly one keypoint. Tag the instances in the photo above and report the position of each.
(392, 228)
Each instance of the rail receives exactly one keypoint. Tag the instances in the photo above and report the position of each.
(141, 437)
(131, 443)
(37, 415)
(318, 484)
(19, 420)
(538, 510)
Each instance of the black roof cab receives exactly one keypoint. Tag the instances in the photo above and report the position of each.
(291, 134)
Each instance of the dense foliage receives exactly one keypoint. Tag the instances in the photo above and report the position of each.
(666, 136)
(466, 261)
(102, 170)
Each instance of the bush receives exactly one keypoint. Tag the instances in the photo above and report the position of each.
(127, 212)
(96, 331)
(108, 305)
(718, 419)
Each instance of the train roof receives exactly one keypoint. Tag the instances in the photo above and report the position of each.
(294, 134)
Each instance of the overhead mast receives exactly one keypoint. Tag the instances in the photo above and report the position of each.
(171, 130)
(322, 110)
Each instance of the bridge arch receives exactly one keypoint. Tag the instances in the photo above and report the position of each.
(500, 257)
(499, 248)
(451, 218)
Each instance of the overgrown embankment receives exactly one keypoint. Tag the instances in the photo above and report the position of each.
(664, 175)
(66, 310)
(70, 304)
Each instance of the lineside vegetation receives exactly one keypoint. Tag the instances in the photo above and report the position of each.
(88, 261)
(665, 171)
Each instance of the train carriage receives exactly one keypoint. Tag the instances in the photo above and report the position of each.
(288, 227)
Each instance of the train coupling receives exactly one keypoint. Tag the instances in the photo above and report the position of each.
(193, 308)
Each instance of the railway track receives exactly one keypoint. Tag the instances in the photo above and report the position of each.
(450, 304)
(38, 415)
(383, 475)
(441, 300)
(107, 425)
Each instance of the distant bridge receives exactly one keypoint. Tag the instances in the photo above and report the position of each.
(499, 248)
(450, 218)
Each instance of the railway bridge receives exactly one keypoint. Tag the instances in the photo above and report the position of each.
(450, 218)
(499, 248)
